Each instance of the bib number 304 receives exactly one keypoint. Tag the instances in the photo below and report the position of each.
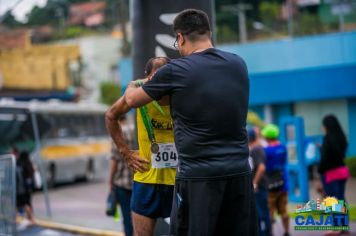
(166, 157)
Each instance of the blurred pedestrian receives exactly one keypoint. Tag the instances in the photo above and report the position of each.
(25, 184)
(121, 177)
(332, 167)
(155, 163)
(276, 169)
(259, 181)
(209, 91)
(334, 173)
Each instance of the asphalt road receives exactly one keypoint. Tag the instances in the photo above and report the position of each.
(81, 204)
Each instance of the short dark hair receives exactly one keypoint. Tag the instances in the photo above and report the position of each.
(192, 23)
(154, 63)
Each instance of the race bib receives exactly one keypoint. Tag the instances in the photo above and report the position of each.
(166, 157)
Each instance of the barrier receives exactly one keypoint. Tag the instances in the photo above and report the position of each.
(7, 195)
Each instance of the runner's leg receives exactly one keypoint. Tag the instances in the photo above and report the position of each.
(143, 226)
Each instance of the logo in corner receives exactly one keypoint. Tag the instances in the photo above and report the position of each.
(327, 214)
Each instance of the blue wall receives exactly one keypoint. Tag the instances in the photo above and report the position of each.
(352, 126)
(320, 83)
(125, 71)
(297, 53)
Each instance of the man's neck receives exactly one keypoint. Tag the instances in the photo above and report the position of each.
(199, 47)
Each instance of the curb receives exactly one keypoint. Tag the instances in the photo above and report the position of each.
(76, 229)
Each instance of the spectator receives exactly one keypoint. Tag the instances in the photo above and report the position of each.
(259, 182)
(24, 184)
(120, 179)
(276, 168)
(332, 169)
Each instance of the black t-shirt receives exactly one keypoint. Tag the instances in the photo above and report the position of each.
(209, 93)
(258, 156)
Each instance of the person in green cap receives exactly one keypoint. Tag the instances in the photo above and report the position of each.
(276, 169)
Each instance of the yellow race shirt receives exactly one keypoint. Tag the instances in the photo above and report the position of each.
(163, 130)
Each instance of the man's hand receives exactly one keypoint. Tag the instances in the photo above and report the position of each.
(135, 162)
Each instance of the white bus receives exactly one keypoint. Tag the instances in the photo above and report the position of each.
(69, 140)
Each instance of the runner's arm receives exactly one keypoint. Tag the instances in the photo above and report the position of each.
(120, 108)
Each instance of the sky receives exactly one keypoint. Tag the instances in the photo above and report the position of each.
(22, 8)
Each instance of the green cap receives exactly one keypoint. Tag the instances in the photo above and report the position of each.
(270, 131)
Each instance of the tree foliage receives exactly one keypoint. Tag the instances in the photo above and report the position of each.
(9, 20)
(308, 23)
(269, 12)
(110, 92)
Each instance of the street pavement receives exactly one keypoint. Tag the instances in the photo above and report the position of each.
(83, 204)
(39, 231)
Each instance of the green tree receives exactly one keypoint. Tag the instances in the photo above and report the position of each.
(110, 92)
(9, 20)
(269, 12)
(225, 34)
(40, 16)
(308, 23)
(77, 1)
(52, 13)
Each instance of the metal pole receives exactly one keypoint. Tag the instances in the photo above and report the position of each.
(240, 10)
(213, 21)
(341, 22)
(290, 18)
(40, 161)
(242, 25)
(13, 164)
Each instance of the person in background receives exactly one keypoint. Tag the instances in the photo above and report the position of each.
(333, 152)
(332, 168)
(259, 182)
(25, 184)
(276, 169)
(259, 137)
(121, 177)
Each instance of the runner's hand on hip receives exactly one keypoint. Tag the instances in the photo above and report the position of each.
(135, 162)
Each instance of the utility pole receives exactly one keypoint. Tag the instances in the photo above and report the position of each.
(240, 10)
(123, 11)
(290, 18)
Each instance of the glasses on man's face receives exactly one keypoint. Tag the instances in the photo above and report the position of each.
(175, 44)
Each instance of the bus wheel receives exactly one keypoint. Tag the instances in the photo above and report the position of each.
(51, 176)
(89, 172)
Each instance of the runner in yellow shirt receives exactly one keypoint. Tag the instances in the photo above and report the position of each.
(155, 163)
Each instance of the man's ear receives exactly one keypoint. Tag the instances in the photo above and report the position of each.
(183, 39)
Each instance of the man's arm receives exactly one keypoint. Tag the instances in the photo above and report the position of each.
(120, 107)
(136, 96)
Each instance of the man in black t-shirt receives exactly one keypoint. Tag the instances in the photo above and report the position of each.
(209, 92)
